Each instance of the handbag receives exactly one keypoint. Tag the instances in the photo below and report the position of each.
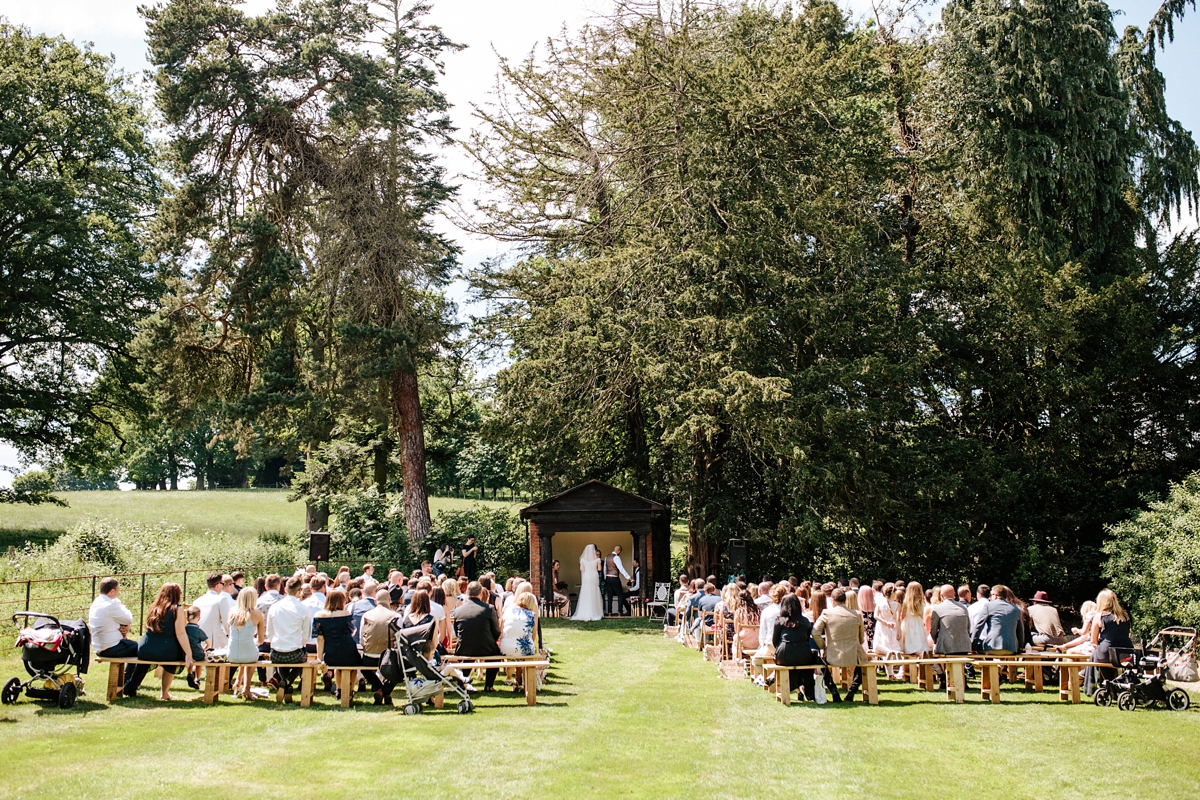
(389, 666)
(819, 688)
(1183, 669)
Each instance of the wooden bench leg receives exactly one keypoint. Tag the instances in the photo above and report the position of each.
(307, 685)
(870, 686)
(958, 674)
(345, 680)
(993, 673)
(212, 683)
(439, 700)
(783, 684)
(1038, 679)
(1075, 674)
(116, 680)
(530, 679)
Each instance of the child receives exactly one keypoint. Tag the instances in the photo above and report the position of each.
(197, 639)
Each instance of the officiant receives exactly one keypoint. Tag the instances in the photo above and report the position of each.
(614, 593)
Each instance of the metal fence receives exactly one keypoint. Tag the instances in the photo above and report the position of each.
(69, 598)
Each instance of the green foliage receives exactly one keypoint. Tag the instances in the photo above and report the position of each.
(77, 179)
(366, 524)
(96, 546)
(35, 480)
(503, 543)
(1153, 559)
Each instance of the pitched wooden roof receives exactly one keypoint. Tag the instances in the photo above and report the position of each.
(594, 497)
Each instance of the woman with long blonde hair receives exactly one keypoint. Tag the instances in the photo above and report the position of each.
(911, 623)
(247, 629)
(1110, 630)
(1082, 644)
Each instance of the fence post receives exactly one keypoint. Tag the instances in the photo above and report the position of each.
(28, 586)
(184, 598)
(142, 613)
(93, 587)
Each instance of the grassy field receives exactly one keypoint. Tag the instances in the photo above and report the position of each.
(243, 511)
(626, 713)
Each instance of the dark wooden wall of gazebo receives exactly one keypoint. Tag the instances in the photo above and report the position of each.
(596, 506)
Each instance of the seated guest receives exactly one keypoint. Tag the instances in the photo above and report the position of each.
(358, 608)
(1082, 645)
(418, 611)
(840, 632)
(764, 595)
(766, 619)
(950, 628)
(336, 645)
(817, 604)
(271, 594)
(165, 640)
(983, 593)
(999, 630)
(477, 629)
(517, 626)
(197, 639)
(1047, 627)
(746, 620)
(706, 604)
(681, 595)
(450, 589)
(1110, 631)
(289, 625)
(109, 621)
(215, 606)
(791, 639)
(247, 629)
(376, 637)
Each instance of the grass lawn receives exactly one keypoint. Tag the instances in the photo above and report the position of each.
(627, 713)
(243, 511)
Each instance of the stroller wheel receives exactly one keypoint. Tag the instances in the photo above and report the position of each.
(1102, 698)
(465, 707)
(1125, 701)
(67, 695)
(411, 709)
(12, 691)
(1178, 700)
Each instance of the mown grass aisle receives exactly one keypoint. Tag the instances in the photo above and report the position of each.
(626, 714)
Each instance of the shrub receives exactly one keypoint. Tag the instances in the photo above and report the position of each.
(1154, 559)
(503, 546)
(367, 524)
(33, 481)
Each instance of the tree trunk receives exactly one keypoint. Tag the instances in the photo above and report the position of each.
(173, 468)
(707, 463)
(406, 411)
(199, 485)
(316, 518)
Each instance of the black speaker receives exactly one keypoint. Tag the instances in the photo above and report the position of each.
(738, 556)
(318, 546)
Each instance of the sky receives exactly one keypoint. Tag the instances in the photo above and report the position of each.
(509, 28)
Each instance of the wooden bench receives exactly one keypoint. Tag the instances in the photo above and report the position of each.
(216, 676)
(783, 681)
(1070, 674)
(1033, 675)
(954, 666)
(529, 667)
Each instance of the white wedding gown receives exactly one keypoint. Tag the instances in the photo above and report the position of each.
(590, 606)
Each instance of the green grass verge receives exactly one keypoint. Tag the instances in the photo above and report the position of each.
(626, 714)
(243, 511)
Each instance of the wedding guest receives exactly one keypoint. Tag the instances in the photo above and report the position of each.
(165, 640)
(470, 554)
(1082, 645)
(215, 606)
(335, 637)
(289, 625)
(790, 636)
(767, 617)
(746, 621)
(109, 621)
(477, 630)
(976, 610)
(840, 632)
(517, 626)
(817, 605)
(418, 611)
(999, 630)
(247, 629)
(911, 622)
(360, 606)
(1047, 629)
(376, 637)
(239, 583)
(866, 605)
(950, 629)
(1110, 631)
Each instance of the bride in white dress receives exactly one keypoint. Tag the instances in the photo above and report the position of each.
(590, 606)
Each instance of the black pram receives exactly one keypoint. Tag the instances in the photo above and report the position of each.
(50, 650)
(422, 680)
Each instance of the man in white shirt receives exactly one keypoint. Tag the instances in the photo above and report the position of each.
(315, 603)
(289, 626)
(764, 596)
(978, 610)
(215, 607)
(109, 621)
(368, 573)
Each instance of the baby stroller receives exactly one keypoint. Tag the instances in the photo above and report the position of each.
(1135, 686)
(50, 650)
(422, 681)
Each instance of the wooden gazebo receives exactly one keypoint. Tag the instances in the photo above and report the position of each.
(596, 510)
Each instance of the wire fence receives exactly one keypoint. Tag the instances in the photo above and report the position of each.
(69, 598)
